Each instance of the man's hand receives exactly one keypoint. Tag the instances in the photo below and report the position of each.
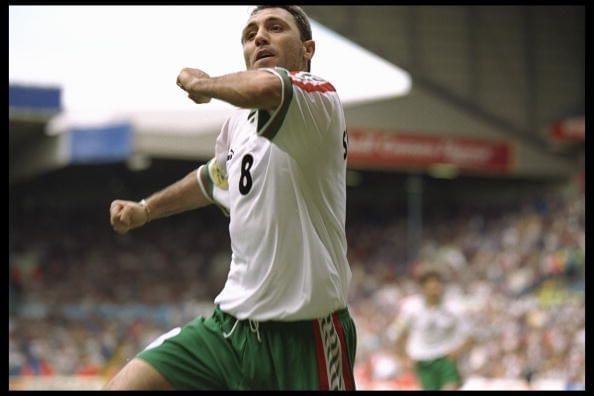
(127, 215)
(186, 79)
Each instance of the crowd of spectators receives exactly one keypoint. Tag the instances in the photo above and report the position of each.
(519, 271)
(84, 300)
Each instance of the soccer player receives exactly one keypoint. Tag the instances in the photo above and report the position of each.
(281, 320)
(432, 333)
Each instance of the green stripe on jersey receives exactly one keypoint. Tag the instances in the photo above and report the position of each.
(206, 180)
(268, 126)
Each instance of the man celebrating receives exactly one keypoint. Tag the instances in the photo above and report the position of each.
(281, 320)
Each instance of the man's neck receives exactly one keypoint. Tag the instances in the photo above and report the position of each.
(433, 302)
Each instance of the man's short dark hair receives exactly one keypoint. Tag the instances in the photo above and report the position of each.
(300, 18)
(431, 273)
(299, 15)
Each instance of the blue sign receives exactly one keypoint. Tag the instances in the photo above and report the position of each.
(34, 98)
(111, 143)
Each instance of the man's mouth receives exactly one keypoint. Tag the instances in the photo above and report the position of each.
(263, 54)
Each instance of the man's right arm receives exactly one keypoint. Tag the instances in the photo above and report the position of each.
(179, 197)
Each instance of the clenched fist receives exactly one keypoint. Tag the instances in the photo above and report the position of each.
(186, 81)
(127, 215)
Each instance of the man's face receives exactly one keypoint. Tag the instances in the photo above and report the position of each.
(271, 38)
(433, 288)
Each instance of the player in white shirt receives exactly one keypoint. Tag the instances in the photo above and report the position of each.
(281, 177)
(278, 172)
(432, 332)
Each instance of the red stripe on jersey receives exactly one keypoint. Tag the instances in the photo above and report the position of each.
(322, 372)
(346, 368)
(309, 87)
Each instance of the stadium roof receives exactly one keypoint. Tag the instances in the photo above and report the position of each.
(120, 63)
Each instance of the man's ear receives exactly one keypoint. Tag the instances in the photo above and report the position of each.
(310, 48)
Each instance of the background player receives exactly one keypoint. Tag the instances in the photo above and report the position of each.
(432, 332)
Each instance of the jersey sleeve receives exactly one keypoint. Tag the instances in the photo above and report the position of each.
(212, 176)
(307, 99)
(213, 185)
(315, 99)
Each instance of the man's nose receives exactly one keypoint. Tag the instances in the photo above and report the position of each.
(261, 37)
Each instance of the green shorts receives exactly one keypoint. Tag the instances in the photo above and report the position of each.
(434, 374)
(223, 353)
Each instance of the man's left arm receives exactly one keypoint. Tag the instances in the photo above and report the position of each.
(465, 327)
(462, 348)
(251, 89)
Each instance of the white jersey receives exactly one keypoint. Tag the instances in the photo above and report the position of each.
(434, 331)
(281, 179)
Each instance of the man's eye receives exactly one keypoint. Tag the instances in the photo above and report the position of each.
(276, 28)
(250, 35)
